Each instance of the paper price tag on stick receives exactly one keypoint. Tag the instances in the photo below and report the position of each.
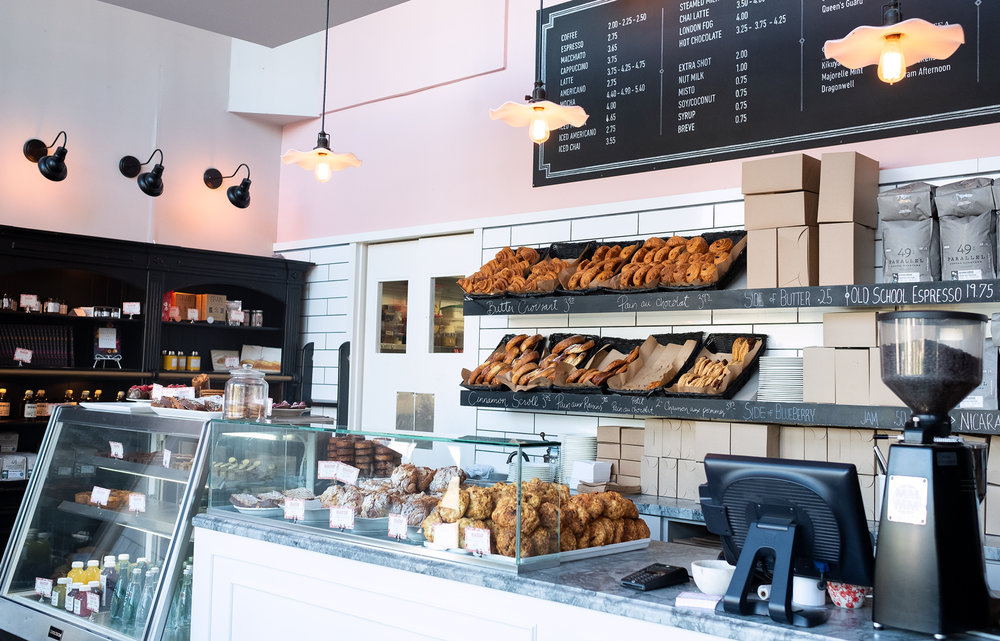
(397, 526)
(43, 587)
(477, 540)
(342, 517)
(100, 495)
(22, 355)
(295, 509)
(327, 469)
(136, 502)
(348, 474)
(117, 449)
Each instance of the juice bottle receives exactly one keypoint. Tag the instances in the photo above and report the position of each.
(96, 596)
(109, 578)
(76, 574)
(58, 598)
(80, 606)
(93, 572)
(74, 589)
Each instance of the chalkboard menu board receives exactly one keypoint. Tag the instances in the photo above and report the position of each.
(679, 82)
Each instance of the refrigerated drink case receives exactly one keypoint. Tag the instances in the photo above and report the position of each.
(101, 490)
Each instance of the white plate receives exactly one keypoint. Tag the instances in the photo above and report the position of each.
(125, 408)
(259, 511)
(144, 401)
(287, 412)
(176, 413)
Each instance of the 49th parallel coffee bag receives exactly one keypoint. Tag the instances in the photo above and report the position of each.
(967, 223)
(910, 239)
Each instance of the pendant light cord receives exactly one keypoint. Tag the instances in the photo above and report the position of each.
(326, 46)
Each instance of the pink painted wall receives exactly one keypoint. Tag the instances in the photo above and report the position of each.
(435, 156)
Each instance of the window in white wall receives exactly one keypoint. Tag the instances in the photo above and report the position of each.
(449, 337)
(392, 327)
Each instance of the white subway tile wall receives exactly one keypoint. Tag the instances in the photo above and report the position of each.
(789, 330)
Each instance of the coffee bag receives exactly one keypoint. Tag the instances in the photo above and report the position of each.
(910, 240)
(968, 229)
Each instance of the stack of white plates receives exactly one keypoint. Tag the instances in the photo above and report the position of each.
(575, 447)
(780, 379)
(541, 471)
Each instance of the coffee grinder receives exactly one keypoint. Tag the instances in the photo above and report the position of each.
(930, 575)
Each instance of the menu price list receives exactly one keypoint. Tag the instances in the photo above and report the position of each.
(709, 409)
(669, 83)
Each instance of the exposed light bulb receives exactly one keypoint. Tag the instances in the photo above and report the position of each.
(538, 128)
(323, 171)
(891, 63)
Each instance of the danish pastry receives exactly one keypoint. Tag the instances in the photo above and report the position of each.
(654, 243)
(566, 342)
(721, 245)
(628, 251)
(673, 241)
(697, 245)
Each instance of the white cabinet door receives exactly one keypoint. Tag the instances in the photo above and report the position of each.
(415, 340)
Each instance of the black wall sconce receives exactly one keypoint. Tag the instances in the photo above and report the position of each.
(52, 166)
(151, 182)
(239, 196)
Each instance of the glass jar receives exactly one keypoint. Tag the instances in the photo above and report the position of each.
(246, 395)
(257, 318)
(51, 306)
(194, 362)
(8, 303)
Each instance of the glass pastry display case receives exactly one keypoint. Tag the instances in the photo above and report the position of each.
(101, 547)
(382, 489)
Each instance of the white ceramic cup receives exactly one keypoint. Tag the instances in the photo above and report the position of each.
(806, 592)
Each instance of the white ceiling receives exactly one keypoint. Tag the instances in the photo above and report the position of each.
(265, 22)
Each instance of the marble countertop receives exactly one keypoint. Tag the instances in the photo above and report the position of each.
(588, 583)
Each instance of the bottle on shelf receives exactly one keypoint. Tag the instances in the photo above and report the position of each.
(109, 579)
(171, 360)
(182, 362)
(132, 596)
(120, 398)
(121, 588)
(80, 605)
(95, 589)
(76, 572)
(41, 405)
(58, 598)
(179, 619)
(28, 407)
(146, 600)
(97, 396)
(74, 590)
(93, 572)
(194, 362)
(85, 396)
(164, 360)
(68, 398)
(4, 404)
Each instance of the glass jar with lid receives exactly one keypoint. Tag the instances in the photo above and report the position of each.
(246, 395)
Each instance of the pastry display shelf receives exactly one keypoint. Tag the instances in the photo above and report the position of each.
(39, 316)
(801, 414)
(215, 376)
(74, 372)
(158, 519)
(867, 295)
(136, 469)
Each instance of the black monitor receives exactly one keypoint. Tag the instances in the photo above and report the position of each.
(786, 517)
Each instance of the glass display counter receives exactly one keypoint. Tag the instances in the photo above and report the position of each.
(102, 543)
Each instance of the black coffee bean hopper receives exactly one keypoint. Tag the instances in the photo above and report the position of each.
(930, 574)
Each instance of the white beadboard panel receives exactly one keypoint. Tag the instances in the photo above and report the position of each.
(938, 173)
(602, 226)
(314, 307)
(555, 425)
(537, 320)
(755, 316)
(791, 336)
(622, 421)
(540, 233)
(665, 319)
(634, 332)
(326, 358)
(989, 164)
(300, 254)
(492, 322)
(339, 306)
(325, 324)
(496, 237)
(317, 339)
(502, 421)
(729, 214)
(340, 271)
(318, 273)
(329, 289)
(672, 220)
(621, 319)
(324, 392)
(332, 254)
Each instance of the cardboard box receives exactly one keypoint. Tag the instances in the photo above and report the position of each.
(984, 397)
(878, 393)
(609, 434)
(790, 172)
(629, 481)
(609, 451)
(591, 471)
(668, 477)
(867, 483)
(652, 436)
(762, 258)
(992, 510)
(754, 439)
(851, 376)
(848, 189)
(212, 306)
(846, 254)
(614, 466)
(852, 446)
(649, 476)
(177, 304)
(850, 329)
(814, 446)
(789, 209)
(630, 468)
(678, 438)
(993, 463)
(792, 442)
(798, 256)
(633, 436)
(710, 436)
(632, 453)
(13, 467)
(690, 474)
(819, 367)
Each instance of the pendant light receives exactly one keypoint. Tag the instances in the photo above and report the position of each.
(539, 115)
(895, 43)
(150, 182)
(52, 166)
(321, 159)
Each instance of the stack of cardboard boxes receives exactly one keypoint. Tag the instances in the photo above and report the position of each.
(622, 447)
(810, 222)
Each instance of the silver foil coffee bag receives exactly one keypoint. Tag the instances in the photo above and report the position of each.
(910, 241)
